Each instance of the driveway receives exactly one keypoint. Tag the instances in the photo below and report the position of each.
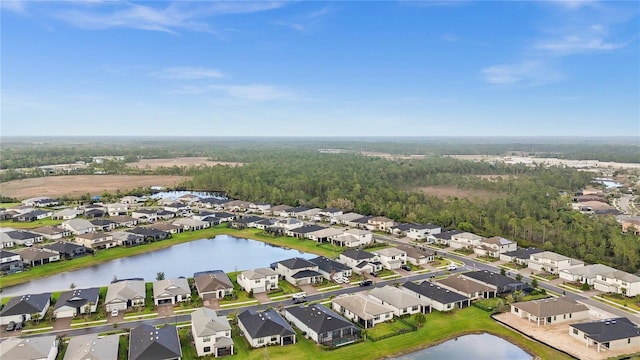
(309, 289)
(212, 304)
(62, 323)
(262, 297)
(165, 310)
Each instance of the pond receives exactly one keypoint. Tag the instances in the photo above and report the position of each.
(177, 194)
(223, 252)
(477, 347)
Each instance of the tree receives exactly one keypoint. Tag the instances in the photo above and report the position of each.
(72, 286)
(420, 319)
(36, 317)
(503, 272)
(518, 277)
(534, 283)
(160, 275)
(87, 309)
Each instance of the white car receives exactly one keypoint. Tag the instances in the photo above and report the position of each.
(114, 312)
(452, 267)
(344, 280)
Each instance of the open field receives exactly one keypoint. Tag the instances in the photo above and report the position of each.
(444, 192)
(181, 161)
(77, 185)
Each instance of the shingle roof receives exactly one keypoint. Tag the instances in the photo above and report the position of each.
(327, 265)
(395, 297)
(173, 287)
(33, 347)
(435, 292)
(125, 290)
(319, 318)
(364, 307)
(258, 273)
(489, 277)
(26, 304)
(305, 274)
(551, 307)
(609, 329)
(297, 263)
(523, 253)
(207, 322)
(446, 235)
(64, 247)
(77, 298)
(264, 324)
(212, 281)
(357, 254)
(148, 343)
(92, 347)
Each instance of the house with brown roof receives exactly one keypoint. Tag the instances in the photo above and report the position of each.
(170, 228)
(494, 246)
(35, 256)
(417, 255)
(361, 309)
(472, 289)
(51, 232)
(97, 240)
(550, 311)
(213, 284)
(124, 221)
(380, 223)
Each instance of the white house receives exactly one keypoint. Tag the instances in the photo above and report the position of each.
(66, 214)
(75, 302)
(551, 262)
(362, 310)
(258, 280)
(392, 258)
(299, 271)
(360, 261)
(354, 238)
(587, 273)
(618, 282)
(117, 209)
(124, 294)
(171, 291)
(464, 240)
(494, 246)
(211, 333)
(401, 302)
(265, 328)
(78, 226)
(30, 348)
(422, 232)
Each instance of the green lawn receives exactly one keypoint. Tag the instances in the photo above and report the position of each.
(388, 327)
(631, 303)
(439, 327)
(30, 225)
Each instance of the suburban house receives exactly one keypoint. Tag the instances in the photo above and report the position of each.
(171, 291)
(124, 294)
(345, 219)
(354, 238)
(550, 311)
(551, 262)
(131, 200)
(149, 233)
(75, 302)
(258, 280)
(279, 210)
(10, 261)
(361, 223)
(40, 201)
(211, 333)
(391, 258)
(189, 224)
(360, 261)
(6, 241)
(265, 328)
(288, 224)
(166, 215)
(78, 226)
(417, 255)
(127, 239)
(124, 221)
(362, 310)
(310, 214)
(237, 205)
(438, 298)
(520, 256)
(145, 215)
(322, 325)
(422, 232)
(210, 203)
(400, 229)
(472, 289)
(380, 223)
(67, 250)
(331, 269)
(298, 271)
(213, 284)
(303, 231)
(20, 308)
(97, 240)
(401, 302)
(260, 207)
(22, 237)
(171, 229)
(117, 209)
(464, 240)
(587, 273)
(618, 282)
(494, 246)
(188, 198)
(148, 342)
(443, 238)
(51, 232)
(245, 222)
(66, 214)
(179, 209)
(103, 224)
(224, 216)
(330, 213)
(33, 215)
(202, 215)
(94, 213)
(326, 235)
(36, 256)
(500, 283)
(31, 348)
(92, 347)
(608, 334)
(294, 212)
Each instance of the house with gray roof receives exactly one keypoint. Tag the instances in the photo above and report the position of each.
(438, 297)
(472, 289)
(417, 255)
(607, 334)
(10, 261)
(171, 291)
(550, 311)
(265, 328)
(124, 238)
(359, 260)
(92, 347)
(401, 302)
(22, 237)
(20, 308)
(500, 283)
(75, 302)
(78, 226)
(519, 256)
(258, 280)
(618, 282)
(51, 232)
(346, 219)
(31, 348)
(213, 284)
(362, 310)
(124, 294)
(443, 238)
(103, 224)
(148, 343)
(33, 215)
(391, 258)
(211, 333)
(322, 325)
(551, 262)
(68, 250)
(299, 271)
(494, 246)
(587, 273)
(35, 256)
(66, 214)
(331, 269)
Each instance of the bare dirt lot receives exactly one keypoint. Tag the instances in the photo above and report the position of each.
(444, 192)
(77, 185)
(182, 161)
(557, 335)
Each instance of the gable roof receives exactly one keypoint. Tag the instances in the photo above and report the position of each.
(212, 281)
(395, 297)
(434, 292)
(327, 265)
(523, 253)
(64, 247)
(297, 263)
(264, 324)
(207, 322)
(357, 254)
(446, 235)
(490, 277)
(148, 343)
(124, 290)
(551, 307)
(26, 304)
(609, 329)
(173, 287)
(362, 306)
(77, 298)
(464, 285)
(319, 318)
(92, 347)
(34, 347)
(415, 252)
(259, 273)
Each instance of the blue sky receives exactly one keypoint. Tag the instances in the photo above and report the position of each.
(429, 68)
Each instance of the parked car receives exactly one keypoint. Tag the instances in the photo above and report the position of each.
(366, 283)
(114, 312)
(452, 267)
(405, 267)
(344, 280)
(299, 298)
(373, 273)
(11, 326)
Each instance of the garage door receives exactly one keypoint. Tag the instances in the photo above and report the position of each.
(64, 314)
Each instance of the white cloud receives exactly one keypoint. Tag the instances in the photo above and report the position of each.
(574, 4)
(293, 26)
(252, 92)
(572, 44)
(527, 73)
(18, 6)
(189, 73)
